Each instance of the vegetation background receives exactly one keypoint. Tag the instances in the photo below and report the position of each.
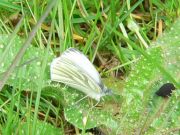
(133, 44)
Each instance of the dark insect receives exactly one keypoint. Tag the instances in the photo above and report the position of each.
(165, 90)
(96, 131)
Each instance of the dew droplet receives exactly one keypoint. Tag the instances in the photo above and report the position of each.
(38, 63)
(2, 64)
(84, 120)
(1, 46)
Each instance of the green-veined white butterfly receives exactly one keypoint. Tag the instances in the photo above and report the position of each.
(75, 70)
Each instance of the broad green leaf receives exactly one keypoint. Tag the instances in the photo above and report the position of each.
(27, 73)
(84, 115)
(141, 105)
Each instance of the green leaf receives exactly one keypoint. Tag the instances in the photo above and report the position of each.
(145, 79)
(83, 114)
(26, 75)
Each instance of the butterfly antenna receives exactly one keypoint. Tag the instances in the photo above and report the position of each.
(95, 105)
(77, 102)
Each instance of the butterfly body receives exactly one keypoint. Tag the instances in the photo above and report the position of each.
(75, 70)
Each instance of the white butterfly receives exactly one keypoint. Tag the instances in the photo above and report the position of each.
(75, 70)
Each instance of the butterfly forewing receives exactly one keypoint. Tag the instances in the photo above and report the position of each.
(80, 60)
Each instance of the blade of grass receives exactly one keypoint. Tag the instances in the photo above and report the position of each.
(9, 6)
(121, 20)
(60, 27)
(44, 64)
